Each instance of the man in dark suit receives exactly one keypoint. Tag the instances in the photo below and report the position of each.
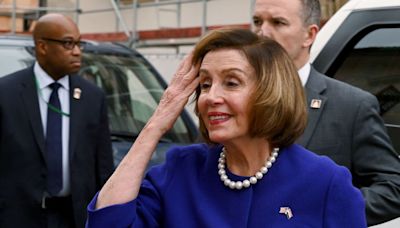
(55, 149)
(344, 121)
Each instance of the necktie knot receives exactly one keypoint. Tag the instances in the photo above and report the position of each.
(55, 86)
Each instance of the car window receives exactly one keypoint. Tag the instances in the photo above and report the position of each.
(371, 62)
(17, 58)
(132, 93)
(131, 87)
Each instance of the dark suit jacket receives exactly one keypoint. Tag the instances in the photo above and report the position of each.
(22, 156)
(348, 128)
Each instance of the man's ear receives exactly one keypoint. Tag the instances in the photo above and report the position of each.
(311, 34)
(41, 47)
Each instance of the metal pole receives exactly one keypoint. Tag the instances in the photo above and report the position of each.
(118, 14)
(204, 24)
(134, 36)
(170, 2)
(158, 15)
(125, 7)
(78, 4)
(178, 14)
(252, 3)
(14, 17)
(116, 18)
(24, 8)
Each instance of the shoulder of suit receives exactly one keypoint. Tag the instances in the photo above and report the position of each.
(306, 161)
(340, 88)
(194, 150)
(17, 76)
(191, 155)
(184, 159)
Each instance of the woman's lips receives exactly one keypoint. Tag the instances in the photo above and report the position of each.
(217, 118)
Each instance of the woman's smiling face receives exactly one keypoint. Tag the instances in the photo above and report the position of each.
(227, 81)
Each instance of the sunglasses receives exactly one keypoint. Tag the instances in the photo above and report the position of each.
(68, 44)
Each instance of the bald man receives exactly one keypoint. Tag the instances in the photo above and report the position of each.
(55, 149)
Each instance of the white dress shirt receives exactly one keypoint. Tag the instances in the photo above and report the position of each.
(43, 81)
(304, 73)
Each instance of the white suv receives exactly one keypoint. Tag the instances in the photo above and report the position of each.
(360, 45)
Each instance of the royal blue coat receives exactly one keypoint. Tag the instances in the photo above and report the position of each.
(186, 191)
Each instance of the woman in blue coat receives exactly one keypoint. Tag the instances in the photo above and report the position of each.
(250, 104)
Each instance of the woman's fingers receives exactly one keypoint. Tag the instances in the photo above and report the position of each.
(185, 65)
(184, 71)
(178, 92)
(184, 81)
(191, 80)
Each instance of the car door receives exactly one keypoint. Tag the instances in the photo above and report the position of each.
(365, 52)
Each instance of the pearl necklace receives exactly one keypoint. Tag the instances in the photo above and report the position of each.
(252, 180)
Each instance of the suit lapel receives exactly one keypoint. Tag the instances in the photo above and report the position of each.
(314, 89)
(28, 91)
(75, 112)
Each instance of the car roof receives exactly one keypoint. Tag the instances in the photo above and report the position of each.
(91, 46)
(337, 19)
(20, 40)
(370, 4)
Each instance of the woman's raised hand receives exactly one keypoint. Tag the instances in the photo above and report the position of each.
(176, 96)
(124, 184)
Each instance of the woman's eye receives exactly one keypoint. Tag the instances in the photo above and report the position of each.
(232, 83)
(204, 85)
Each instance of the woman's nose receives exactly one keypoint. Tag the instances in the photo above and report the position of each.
(214, 95)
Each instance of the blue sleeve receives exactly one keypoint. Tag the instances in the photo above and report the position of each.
(120, 215)
(344, 206)
(144, 211)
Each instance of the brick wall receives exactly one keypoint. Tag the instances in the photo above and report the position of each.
(22, 9)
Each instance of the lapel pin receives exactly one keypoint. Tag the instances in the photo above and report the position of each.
(315, 103)
(286, 211)
(77, 93)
